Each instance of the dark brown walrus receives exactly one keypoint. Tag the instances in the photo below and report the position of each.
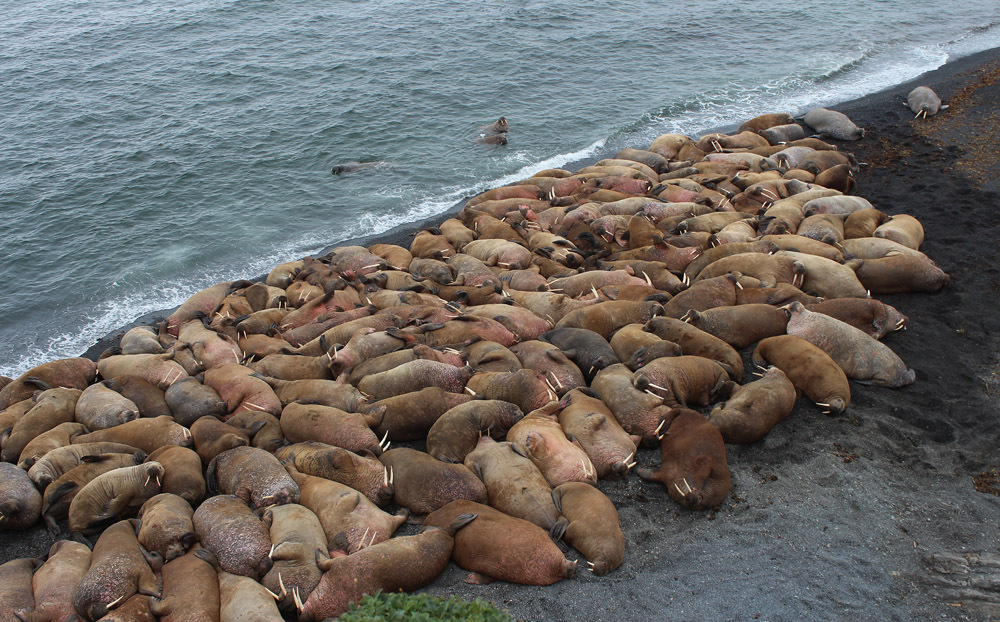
(455, 434)
(405, 563)
(694, 468)
(190, 591)
(497, 546)
(423, 484)
(55, 583)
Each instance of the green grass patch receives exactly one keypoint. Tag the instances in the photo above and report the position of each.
(423, 608)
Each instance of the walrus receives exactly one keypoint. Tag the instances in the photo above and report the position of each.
(782, 134)
(201, 304)
(406, 563)
(694, 468)
(811, 370)
(492, 139)
(228, 528)
(58, 495)
(263, 428)
(20, 501)
(159, 369)
(60, 460)
(827, 278)
(594, 528)
(350, 521)
(586, 419)
(540, 436)
(549, 305)
(431, 243)
(923, 101)
(832, 124)
(354, 167)
(862, 357)
(491, 356)
(210, 348)
(720, 291)
(515, 485)
(252, 475)
(52, 408)
(423, 484)
(362, 472)
(769, 269)
(113, 495)
(147, 397)
(327, 392)
(587, 349)
(166, 526)
(410, 416)
(899, 274)
(396, 256)
(696, 342)
(315, 422)
(240, 390)
(182, 473)
(740, 326)
(118, 570)
(523, 323)
(639, 413)
(57, 437)
(212, 437)
(683, 380)
(413, 376)
(296, 535)
(653, 160)
(524, 388)
(241, 598)
(875, 318)
(753, 409)
(497, 546)
(145, 434)
(863, 223)
(604, 318)
(765, 121)
(141, 340)
(74, 373)
(904, 229)
(54, 584)
(190, 591)
(456, 433)
(825, 228)
(559, 372)
(15, 585)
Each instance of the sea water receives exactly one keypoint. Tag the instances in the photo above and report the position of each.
(153, 148)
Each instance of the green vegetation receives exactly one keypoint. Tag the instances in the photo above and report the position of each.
(421, 608)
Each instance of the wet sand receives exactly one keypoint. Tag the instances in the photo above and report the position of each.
(874, 514)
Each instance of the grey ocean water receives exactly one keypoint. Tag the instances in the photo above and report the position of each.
(150, 149)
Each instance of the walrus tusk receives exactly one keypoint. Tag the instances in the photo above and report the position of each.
(383, 441)
(739, 285)
(687, 485)
(628, 458)
(686, 280)
(556, 378)
(391, 476)
(551, 321)
(273, 595)
(656, 386)
(900, 325)
(297, 599)
(549, 384)
(679, 491)
(471, 392)
(115, 602)
(659, 427)
(385, 476)
(648, 282)
(281, 583)
(270, 554)
(592, 368)
(552, 394)
(254, 405)
(628, 467)
(158, 482)
(363, 536)
(594, 289)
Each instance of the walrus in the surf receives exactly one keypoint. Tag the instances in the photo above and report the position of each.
(354, 167)
(924, 102)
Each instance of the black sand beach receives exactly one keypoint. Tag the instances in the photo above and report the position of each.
(889, 511)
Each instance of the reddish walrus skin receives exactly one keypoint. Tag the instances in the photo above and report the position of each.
(499, 546)
(406, 563)
(118, 570)
(694, 468)
(594, 528)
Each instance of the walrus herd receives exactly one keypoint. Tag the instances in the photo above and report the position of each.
(235, 461)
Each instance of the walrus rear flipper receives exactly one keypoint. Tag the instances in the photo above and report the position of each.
(38, 382)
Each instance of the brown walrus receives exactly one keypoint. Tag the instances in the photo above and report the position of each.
(753, 409)
(594, 528)
(811, 370)
(20, 502)
(503, 547)
(190, 591)
(456, 432)
(362, 472)
(252, 475)
(423, 484)
(238, 538)
(694, 468)
(74, 373)
(166, 526)
(118, 570)
(54, 584)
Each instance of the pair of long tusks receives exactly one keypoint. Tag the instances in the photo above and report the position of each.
(363, 545)
(552, 389)
(900, 325)
(594, 289)
(686, 280)
(586, 471)
(387, 476)
(686, 317)
(297, 598)
(717, 145)
(591, 566)
(556, 378)
(281, 584)
(656, 386)
(149, 477)
(629, 463)
(384, 443)
(250, 360)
